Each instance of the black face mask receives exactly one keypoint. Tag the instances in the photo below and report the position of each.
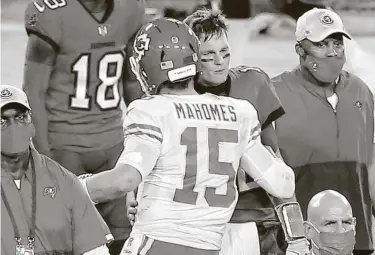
(325, 70)
(334, 243)
(16, 138)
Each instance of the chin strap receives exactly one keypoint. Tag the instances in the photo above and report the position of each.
(291, 220)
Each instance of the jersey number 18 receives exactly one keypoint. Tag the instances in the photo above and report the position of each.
(81, 68)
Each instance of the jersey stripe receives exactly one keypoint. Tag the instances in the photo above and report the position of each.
(145, 246)
(140, 133)
(255, 132)
(143, 126)
(150, 131)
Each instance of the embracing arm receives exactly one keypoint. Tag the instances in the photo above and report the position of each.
(113, 184)
(268, 171)
(135, 163)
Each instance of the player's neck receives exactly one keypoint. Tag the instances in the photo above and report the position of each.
(95, 6)
(15, 165)
(202, 82)
(188, 91)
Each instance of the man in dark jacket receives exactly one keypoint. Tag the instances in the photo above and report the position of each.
(327, 134)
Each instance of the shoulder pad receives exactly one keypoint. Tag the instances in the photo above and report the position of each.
(246, 71)
(153, 105)
(46, 6)
(248, 75)
(43, 19)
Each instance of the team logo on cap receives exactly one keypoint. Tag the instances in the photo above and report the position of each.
(326, 19)
(6, 93)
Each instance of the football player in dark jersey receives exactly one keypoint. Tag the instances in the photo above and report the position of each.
(74, 62)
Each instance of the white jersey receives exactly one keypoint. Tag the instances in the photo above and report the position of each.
(187, 149)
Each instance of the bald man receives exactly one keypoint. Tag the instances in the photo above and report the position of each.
(330, 226)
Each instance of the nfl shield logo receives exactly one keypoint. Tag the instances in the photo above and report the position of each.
(103, 30)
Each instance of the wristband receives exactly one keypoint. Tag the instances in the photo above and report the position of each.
(291, 220)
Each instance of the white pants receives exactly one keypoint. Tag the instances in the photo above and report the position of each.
(240, 239)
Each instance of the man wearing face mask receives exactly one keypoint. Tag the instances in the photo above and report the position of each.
(44, 208)
(328, 132)
(330, 225)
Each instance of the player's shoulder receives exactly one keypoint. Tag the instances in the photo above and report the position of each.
(155, 106)
(48, 8)
(247, 80)
(247, 72)
(241, 105)
(44, 14)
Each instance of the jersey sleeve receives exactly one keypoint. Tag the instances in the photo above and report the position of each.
(89, 229)
(269, 104)
(44, 22)
(258, 89)
(143, 139)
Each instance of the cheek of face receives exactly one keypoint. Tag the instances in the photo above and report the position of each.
(210, 75)
(215, 59)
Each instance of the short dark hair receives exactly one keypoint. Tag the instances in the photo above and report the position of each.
(178, 85)
(207, 23)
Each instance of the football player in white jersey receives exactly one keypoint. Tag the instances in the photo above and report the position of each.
(183, 150)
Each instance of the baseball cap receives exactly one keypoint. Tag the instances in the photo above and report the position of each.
(317, 24)
(10, 94)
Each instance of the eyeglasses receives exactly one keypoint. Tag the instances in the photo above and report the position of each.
(22, 118)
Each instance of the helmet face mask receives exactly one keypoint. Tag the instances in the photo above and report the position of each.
(164, 50)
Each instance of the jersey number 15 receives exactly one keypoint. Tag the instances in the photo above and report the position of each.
(216, 167)
(108, 79)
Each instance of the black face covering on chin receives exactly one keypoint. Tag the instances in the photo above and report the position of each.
(16, 139)
(325, 70)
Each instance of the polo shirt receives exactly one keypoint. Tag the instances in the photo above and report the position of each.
(66, 220)
(329, 148)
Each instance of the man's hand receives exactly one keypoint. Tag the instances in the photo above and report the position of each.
(132, 211)
(298, 248)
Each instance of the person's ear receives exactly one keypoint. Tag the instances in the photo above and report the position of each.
(299, 50)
